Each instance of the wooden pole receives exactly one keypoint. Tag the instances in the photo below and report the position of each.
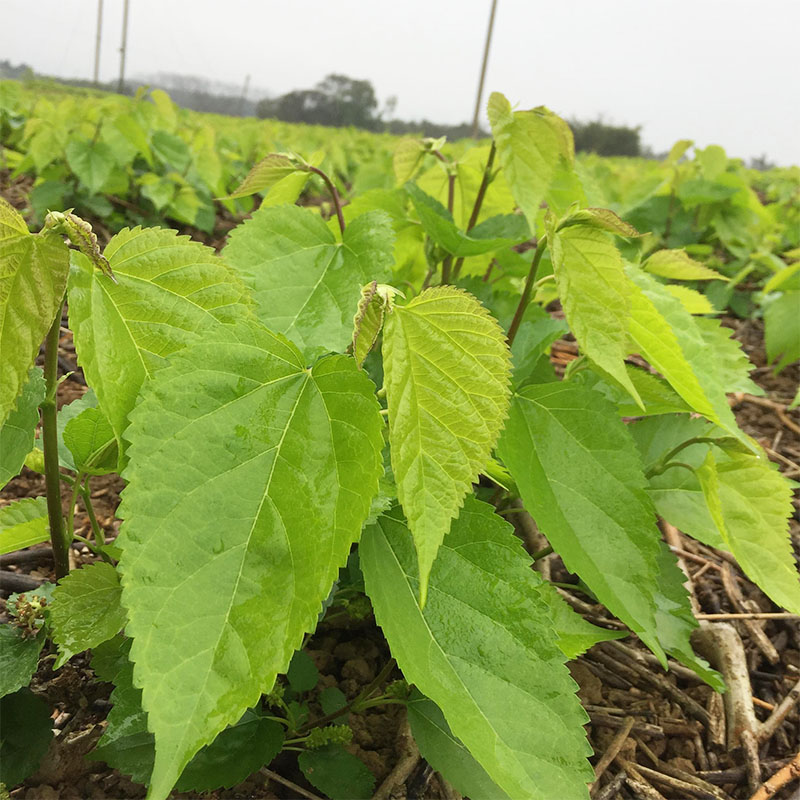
(476, 117)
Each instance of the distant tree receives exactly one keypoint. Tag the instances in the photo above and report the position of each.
(606, 140)
(337, 100)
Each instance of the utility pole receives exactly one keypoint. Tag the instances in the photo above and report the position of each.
(123, 48)
(97, 42)
(476, 118)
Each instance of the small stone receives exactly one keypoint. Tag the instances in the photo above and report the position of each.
(358, 669)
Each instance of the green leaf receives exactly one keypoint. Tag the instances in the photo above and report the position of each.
(90, 439)
(18, 431)
(677, 265)
(290, 458)
(66, 414)
(670, 339)
(675, 619)
(25, 734)
(332, 699)
(239, 751)
(601, 218)
(529, 146)
(19, 657)
(750, 503)
(368, 321)
(302, 674)
(92, 162)
(732, 367)
(445, 753)
(438, 223)
(594, 293)
(23, 523)
(171, 150)
(337, 773)
(602, 525)
(446, 374)
(407, 157)
(168, 290)
(33, 276)
(495, 670)
(128, 746)
(126, 743)
(656, 394)
(269, 171)
(676, 493)
(306, 284)
(782, 329)
(86, 610)
(691, 300)
(575, 634)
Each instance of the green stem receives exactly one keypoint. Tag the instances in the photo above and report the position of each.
(446, 269)
(73, 499)
(99, 533)
(659, 466)
(545, 551)
(52, 474)
(657, 471)
(476, 209)
(337, 203)
(526, 292)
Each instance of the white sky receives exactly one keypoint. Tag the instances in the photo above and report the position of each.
(716, 71)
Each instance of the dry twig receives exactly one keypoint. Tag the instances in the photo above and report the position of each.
(787, 774)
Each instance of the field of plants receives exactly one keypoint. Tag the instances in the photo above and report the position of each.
(341, 465)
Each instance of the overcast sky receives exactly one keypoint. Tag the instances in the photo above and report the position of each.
(716, 71)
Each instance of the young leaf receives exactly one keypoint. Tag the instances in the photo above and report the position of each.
(750, 503)
(264, 175)
(529, 146)
(679, 266)
(90, 439)
(445, 753)
(33, 277)
(407, 157)
(594, 292)
(25, 734)
(368, 321)
(691, 300)
(290, 458)
(337, 773)
(17, 432)
(601, 218)
(19, 657)
(86, 610)
(602, 525)
(306, 284)
(168, 290)
(498, 666)
(668, 336)
(23, 523)
(446, 374)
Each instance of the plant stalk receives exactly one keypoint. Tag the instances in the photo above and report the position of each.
(52, 475)
(526, 292)
(476, 209)
(337, 203)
